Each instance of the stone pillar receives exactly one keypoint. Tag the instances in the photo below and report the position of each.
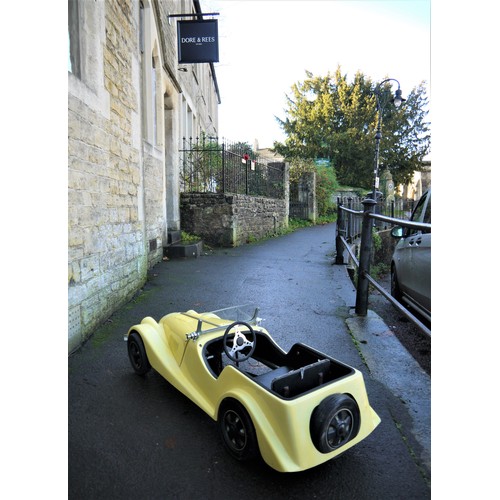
(387, 185)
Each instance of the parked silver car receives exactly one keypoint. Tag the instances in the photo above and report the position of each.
(411, 261)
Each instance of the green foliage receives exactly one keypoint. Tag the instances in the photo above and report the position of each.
(376, 240)
(327, 219)
(299, 167)
(329, 117)
(241, 148)
(326, 185)
(189, 238)
(201, 164)
(294, 224)
(378, 270)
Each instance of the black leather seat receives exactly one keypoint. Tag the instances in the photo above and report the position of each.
(288, 382)
(266, 379)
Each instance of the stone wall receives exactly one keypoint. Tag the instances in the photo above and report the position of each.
(232, 219)
(106, 247)
(116, 179)
(154, 203)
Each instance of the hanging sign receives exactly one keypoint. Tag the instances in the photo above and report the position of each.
(198, 41)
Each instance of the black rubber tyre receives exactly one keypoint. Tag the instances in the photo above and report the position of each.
(237, 430)
(137, 354)
(334, 422)
(395, 290)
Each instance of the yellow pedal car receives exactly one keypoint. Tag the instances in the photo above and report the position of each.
(297, 409)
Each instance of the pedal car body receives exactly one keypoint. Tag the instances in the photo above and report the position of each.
(297, 409)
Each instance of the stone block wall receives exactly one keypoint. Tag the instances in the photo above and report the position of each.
(115, 200)
(227, 220)
(154, 203)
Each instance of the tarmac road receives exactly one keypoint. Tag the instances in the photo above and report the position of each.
(134, 437)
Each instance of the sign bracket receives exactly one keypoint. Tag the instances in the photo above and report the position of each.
(194, 15)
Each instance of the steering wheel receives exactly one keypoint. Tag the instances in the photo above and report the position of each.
(240, 342)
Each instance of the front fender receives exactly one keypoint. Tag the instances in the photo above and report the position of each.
(153, 339)
(146, 327)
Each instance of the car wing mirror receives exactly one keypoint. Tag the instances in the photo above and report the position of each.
(397, 232)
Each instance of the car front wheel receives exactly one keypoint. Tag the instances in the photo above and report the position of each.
(137, 354)
(237, 430)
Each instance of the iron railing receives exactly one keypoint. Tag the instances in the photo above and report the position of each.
(212, 166)
(347, 230)
(395, 208)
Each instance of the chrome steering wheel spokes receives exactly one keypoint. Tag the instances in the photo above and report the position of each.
(242, 348)
(240, 342)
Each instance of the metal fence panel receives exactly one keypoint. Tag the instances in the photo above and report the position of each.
(212, 166)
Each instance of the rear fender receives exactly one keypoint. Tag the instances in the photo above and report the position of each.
(270, 417)
(282, 426)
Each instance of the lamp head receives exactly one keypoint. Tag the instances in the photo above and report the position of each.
(398, 99)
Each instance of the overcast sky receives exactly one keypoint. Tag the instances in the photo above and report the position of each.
(266, 46)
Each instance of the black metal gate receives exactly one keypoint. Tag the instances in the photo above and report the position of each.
(299, 204)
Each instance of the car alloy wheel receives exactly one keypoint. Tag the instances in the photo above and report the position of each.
(334, 422)
(237, 430)
(137, 354)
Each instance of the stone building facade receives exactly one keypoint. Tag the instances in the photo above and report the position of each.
(129, 105)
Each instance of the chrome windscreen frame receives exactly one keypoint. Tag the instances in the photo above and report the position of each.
(247, 313)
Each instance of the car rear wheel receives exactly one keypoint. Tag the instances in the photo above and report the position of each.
(237, 430)
(137, 354)
(334, 422)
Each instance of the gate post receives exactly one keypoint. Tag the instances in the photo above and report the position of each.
(223, 166)
(339, 248)
(246, 175)
(349, 234)
(364, 258)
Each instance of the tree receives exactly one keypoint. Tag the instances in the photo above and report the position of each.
(329, 117)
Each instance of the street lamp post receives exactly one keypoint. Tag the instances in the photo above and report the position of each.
(397, 100)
